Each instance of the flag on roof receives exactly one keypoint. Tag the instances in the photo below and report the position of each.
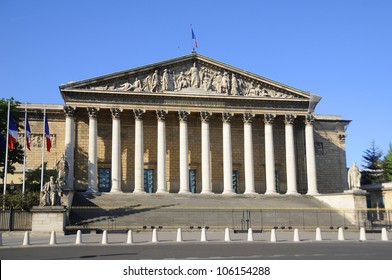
(194, 38)
(47, 135)
(12, 134)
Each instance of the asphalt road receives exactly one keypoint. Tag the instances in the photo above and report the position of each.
(195, 250)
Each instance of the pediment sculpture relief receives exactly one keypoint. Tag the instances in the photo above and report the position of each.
(194, 78)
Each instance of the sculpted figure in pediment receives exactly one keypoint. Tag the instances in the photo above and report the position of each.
(217, 82)
(182, 81)
(147, 83)
(165, 80)
(225, 83)
(234, 85)
(195, 79)
(154, 81)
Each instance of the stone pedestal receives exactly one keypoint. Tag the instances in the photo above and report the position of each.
(351, 204)
(49, 218)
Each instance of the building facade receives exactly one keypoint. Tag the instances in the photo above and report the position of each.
(194, 125)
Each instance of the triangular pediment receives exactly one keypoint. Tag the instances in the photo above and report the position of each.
(191, 74)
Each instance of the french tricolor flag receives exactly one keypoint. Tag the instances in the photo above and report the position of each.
(194, 38)
(28, 133)
(47, 135)
(12, 134)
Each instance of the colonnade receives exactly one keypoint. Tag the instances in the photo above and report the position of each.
(205, 152)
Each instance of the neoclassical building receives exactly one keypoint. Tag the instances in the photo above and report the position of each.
(195, 125)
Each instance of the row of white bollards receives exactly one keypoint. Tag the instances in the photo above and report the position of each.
(203, 237)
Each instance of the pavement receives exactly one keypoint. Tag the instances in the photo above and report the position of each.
(16, 239)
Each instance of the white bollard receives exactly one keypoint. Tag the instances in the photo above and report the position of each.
(1, 239)
(318, 234)
(227, 235)
(79, 237)
(179, 235)
(52, 240)
(203, 237)
(296, 236)
(362, 234)
(340, 234)
(384, 234)
(26, 239)
(105, 237)
(154, 236)
(129, 237)
(250, 235)
(273, 235)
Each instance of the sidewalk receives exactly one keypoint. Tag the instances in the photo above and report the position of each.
(140, 238)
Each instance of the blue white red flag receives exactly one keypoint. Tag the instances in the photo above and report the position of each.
(194, 38)
(28, 133)
(12, 134)
(47, 135)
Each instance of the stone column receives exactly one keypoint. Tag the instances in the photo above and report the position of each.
(116, 150)
(205, 153)
(139, 151)
(184, 165)
(70, 143)
(92, 150)
(248, 154)
(269, 154)
(161, 116)
(310, 156)
(227, 154)
(291, 171)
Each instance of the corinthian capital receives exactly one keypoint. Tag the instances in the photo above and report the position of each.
(227, 117)
(269, 118)
(161, 115)
(248, 117)
(289, 119)
(309, 119)
(138, 114)
(183, 115)
(92, 112)
(116, 113)
(69, 111)
(205, 116)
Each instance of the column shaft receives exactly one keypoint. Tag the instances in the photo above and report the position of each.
(139, 152)
(269, 155)
(248, 155)
(291, 172)
(184, 164)
(161, 187)
(70, 144)
(92, 151)
(310, 157)
(205, 153)
(227, 155)
(116, 151)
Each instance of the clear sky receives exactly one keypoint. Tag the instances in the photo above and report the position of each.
(340, 50)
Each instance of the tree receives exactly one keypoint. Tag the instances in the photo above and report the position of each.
(373, 165)
(388, 164)
(33, 177)
(15, 155)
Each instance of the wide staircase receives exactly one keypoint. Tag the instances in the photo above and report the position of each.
(119, 212)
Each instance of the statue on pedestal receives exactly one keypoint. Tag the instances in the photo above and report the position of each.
(51, 193)
(354, 177)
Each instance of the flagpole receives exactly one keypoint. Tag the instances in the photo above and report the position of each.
(43, 151)
(6, 150)
(24, 152)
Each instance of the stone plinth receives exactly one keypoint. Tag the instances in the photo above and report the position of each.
(351, 204)
(49, 218)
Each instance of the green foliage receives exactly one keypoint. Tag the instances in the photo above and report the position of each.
(15, 155)
(388, 164)
(33, 177)
(20, 201)
(373, 165)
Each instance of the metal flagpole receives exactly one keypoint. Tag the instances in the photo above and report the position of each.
(43, 151)
(6, 150)
(24, 151)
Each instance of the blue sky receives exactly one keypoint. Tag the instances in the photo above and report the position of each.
(340, 50)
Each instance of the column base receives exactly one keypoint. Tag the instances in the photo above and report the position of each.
(250, 192)
(229, 193)
(115, 191)
(292, 193)
(206, 192)
(139, 192)
(162, 192)
(313, 193)
(184, 192)
(272, 193)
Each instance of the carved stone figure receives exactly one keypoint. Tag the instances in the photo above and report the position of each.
(195, 78)
(234, 85)
(165, 80)
(225, 84)
(62, 172)
(51, 193)
(181, 81)
(354, 177)
(146, 83)
(154, 81)
(125, 87)
(217, 82)
(137, 85)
